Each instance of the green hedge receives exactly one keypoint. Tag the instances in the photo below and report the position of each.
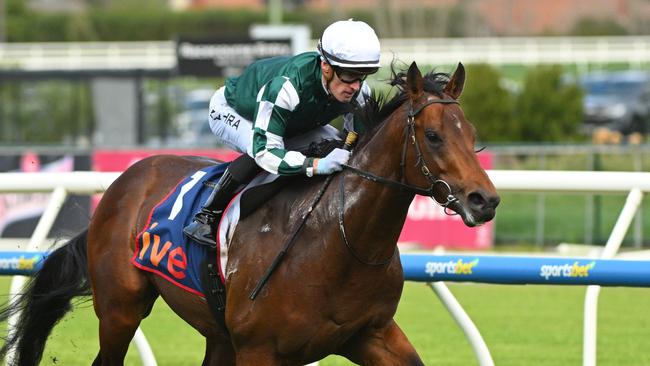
(131, 26)
(544, 109)
(548, 109)
(488, 104)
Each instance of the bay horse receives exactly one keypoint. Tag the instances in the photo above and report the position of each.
(338, 289)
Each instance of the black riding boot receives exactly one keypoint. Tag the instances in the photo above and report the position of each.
(203, 228)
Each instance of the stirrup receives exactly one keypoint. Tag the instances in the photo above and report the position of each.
(202, 229)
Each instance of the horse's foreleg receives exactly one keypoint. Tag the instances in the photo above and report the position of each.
(385, 346)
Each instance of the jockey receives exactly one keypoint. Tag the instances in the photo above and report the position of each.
(279, 105)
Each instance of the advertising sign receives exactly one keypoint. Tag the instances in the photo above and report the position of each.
(107, 160)
(225, 57)
(428, 226)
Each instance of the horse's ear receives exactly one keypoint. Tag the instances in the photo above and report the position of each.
(414, 81)
(455, 85)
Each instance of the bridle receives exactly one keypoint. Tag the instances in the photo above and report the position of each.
(409, 134)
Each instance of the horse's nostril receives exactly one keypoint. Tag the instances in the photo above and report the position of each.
(477, 199)
(480, 200)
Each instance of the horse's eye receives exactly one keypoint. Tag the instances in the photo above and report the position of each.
(433, 136)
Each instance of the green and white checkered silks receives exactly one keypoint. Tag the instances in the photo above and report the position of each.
(276, 101)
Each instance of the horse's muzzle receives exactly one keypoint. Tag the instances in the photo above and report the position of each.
(478, 208)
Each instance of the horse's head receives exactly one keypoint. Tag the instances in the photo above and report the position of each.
(440, 152)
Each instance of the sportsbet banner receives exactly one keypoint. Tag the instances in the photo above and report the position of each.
(427, 226)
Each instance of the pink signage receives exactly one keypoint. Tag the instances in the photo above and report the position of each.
(119, 160)
(427, 226)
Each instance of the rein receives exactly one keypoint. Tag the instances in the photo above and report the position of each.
(345, 237)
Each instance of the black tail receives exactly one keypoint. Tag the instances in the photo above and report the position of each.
(46, 299)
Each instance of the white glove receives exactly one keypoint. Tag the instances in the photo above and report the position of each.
(332, 162)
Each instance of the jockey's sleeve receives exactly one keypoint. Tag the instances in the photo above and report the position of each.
(275, 102)
(352, 122)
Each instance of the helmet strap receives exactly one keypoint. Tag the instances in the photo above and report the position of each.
(328, 74)
(328, 71)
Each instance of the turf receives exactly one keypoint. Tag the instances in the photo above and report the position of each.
(525, 325)
(565, 218)
(522, 325)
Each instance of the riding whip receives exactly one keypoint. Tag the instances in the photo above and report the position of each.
(349, 143)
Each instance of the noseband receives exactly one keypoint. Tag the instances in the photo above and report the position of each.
(409, 134)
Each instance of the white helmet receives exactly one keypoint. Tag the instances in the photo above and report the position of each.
(350, 44)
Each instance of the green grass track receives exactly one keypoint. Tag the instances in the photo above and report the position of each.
(522, 325)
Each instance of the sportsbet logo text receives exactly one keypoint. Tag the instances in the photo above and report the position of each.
(19, 263)
(566, 270)
(458, 267)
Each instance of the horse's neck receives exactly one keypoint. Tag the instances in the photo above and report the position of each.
(382, 208)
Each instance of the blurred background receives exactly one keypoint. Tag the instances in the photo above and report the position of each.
(551, 85)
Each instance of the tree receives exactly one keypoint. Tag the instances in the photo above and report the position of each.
(488, 104)
(548, 109)
(597, 27)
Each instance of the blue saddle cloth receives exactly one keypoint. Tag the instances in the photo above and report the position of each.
(161, 247)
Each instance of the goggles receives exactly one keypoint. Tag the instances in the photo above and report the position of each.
(349, 76)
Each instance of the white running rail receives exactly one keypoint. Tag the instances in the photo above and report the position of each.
(630, 50)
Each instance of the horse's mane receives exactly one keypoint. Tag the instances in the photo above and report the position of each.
(378, 107)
